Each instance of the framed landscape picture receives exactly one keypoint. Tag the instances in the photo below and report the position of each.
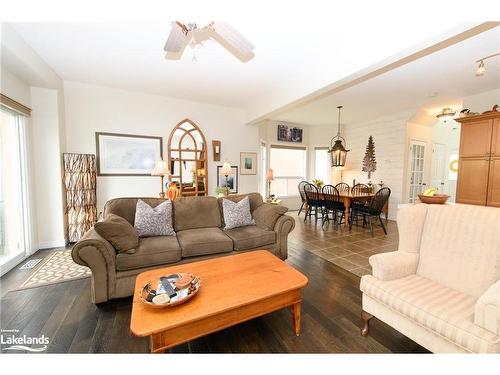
(126, 154)
(248, 162)
(289, 134)
(232, 179)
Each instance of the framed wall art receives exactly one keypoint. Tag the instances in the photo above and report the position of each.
(127, 154)
(289, 134)
(248, 163)
(232, 179)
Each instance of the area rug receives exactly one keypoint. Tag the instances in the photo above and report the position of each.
(57, 267)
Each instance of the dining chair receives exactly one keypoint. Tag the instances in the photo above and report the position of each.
(356, 190)
(342, 187)
(302, 195)
(333, 204)
(314, 201)
(371, 210)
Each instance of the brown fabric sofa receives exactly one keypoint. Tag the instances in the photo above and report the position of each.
(198, 222)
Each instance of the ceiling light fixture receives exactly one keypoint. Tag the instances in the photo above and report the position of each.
(231, 39)
(337, 151)
(481, 69)
(446, 114)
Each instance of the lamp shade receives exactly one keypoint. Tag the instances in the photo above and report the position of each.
(226, 169)
(269, 175)
(160, 169)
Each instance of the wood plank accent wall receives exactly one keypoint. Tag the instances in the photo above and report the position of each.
(478, 179)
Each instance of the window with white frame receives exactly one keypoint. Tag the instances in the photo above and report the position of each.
(322, 169)
(289, 168)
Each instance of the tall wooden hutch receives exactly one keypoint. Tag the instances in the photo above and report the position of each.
(479, 160)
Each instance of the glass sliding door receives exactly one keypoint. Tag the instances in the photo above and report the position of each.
(14, 233)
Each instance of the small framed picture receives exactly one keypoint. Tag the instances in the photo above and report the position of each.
(232, 179)
(289, 134)
(248, 162)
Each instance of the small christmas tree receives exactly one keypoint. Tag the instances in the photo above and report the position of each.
(369, 162)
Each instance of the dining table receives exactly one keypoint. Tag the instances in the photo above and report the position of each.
(347, 197)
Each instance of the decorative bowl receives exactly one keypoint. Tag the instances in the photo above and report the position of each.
(436, 199)
(192, 290)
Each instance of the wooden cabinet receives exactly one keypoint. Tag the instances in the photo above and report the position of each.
(475, 139)
(472, 184)
(494, 183)
(495, 139)
(479, 160)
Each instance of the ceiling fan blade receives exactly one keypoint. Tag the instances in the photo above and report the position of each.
(178, 38)
(232, 40)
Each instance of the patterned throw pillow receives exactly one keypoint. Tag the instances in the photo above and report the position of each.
(150, 222)
(237, 214)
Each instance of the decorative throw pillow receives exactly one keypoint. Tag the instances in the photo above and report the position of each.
(156, 221)
(237, 214)
(119, 233)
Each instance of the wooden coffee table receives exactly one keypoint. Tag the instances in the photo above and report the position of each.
(235, 288)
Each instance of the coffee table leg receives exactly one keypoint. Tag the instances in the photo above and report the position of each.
(296, 310)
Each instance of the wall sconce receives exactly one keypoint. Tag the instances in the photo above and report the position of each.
(216, 149)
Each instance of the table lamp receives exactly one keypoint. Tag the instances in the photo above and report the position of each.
(269, 178)
(226, 171)
(161, 170)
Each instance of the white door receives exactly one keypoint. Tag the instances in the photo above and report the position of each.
(416, 169)
(439, 177)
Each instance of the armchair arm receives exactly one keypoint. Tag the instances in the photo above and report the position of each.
(96, 253)
(393, 265)
(487, 309)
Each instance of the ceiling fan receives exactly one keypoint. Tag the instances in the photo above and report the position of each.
(183, 35)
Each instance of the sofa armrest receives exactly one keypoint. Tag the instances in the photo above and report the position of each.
(266, 215)
(95, 252)
(393, 265)
(487, 309)
(284, 225)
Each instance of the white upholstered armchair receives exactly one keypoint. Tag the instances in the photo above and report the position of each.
(441, 288)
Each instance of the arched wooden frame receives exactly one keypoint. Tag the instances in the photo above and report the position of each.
(200, 159)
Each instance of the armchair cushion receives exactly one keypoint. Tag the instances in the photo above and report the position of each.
(442, 310)
(393, 265)
(119, 233)
(266, 215)
(487, 309)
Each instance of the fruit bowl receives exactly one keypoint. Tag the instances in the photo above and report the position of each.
(434, 199)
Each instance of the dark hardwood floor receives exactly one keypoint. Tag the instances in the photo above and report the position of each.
(330, 318)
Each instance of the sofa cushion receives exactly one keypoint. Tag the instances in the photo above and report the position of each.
(267, 214)
(119, 233)
(125, 207)
(155, 221)
(460, 247)
(448, 312)
(203, 241)
(251, 237)
(237, 214)
(196, 212)
(255, 201)
(152, 251)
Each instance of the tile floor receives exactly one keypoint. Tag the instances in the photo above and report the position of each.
(347, 249)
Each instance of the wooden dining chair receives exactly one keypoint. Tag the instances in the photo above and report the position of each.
(332, 204)
(302, 195)
(372, 210)
(314, 201)
(342, 187)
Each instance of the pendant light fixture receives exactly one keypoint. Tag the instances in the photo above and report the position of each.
(337, 151)
(446, 115)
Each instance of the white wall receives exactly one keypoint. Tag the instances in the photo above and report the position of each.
(483, 101)
(91, 109)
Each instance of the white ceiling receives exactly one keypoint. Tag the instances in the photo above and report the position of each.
(295, 54)
(449, 72)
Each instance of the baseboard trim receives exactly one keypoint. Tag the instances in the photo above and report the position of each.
(51, 244)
